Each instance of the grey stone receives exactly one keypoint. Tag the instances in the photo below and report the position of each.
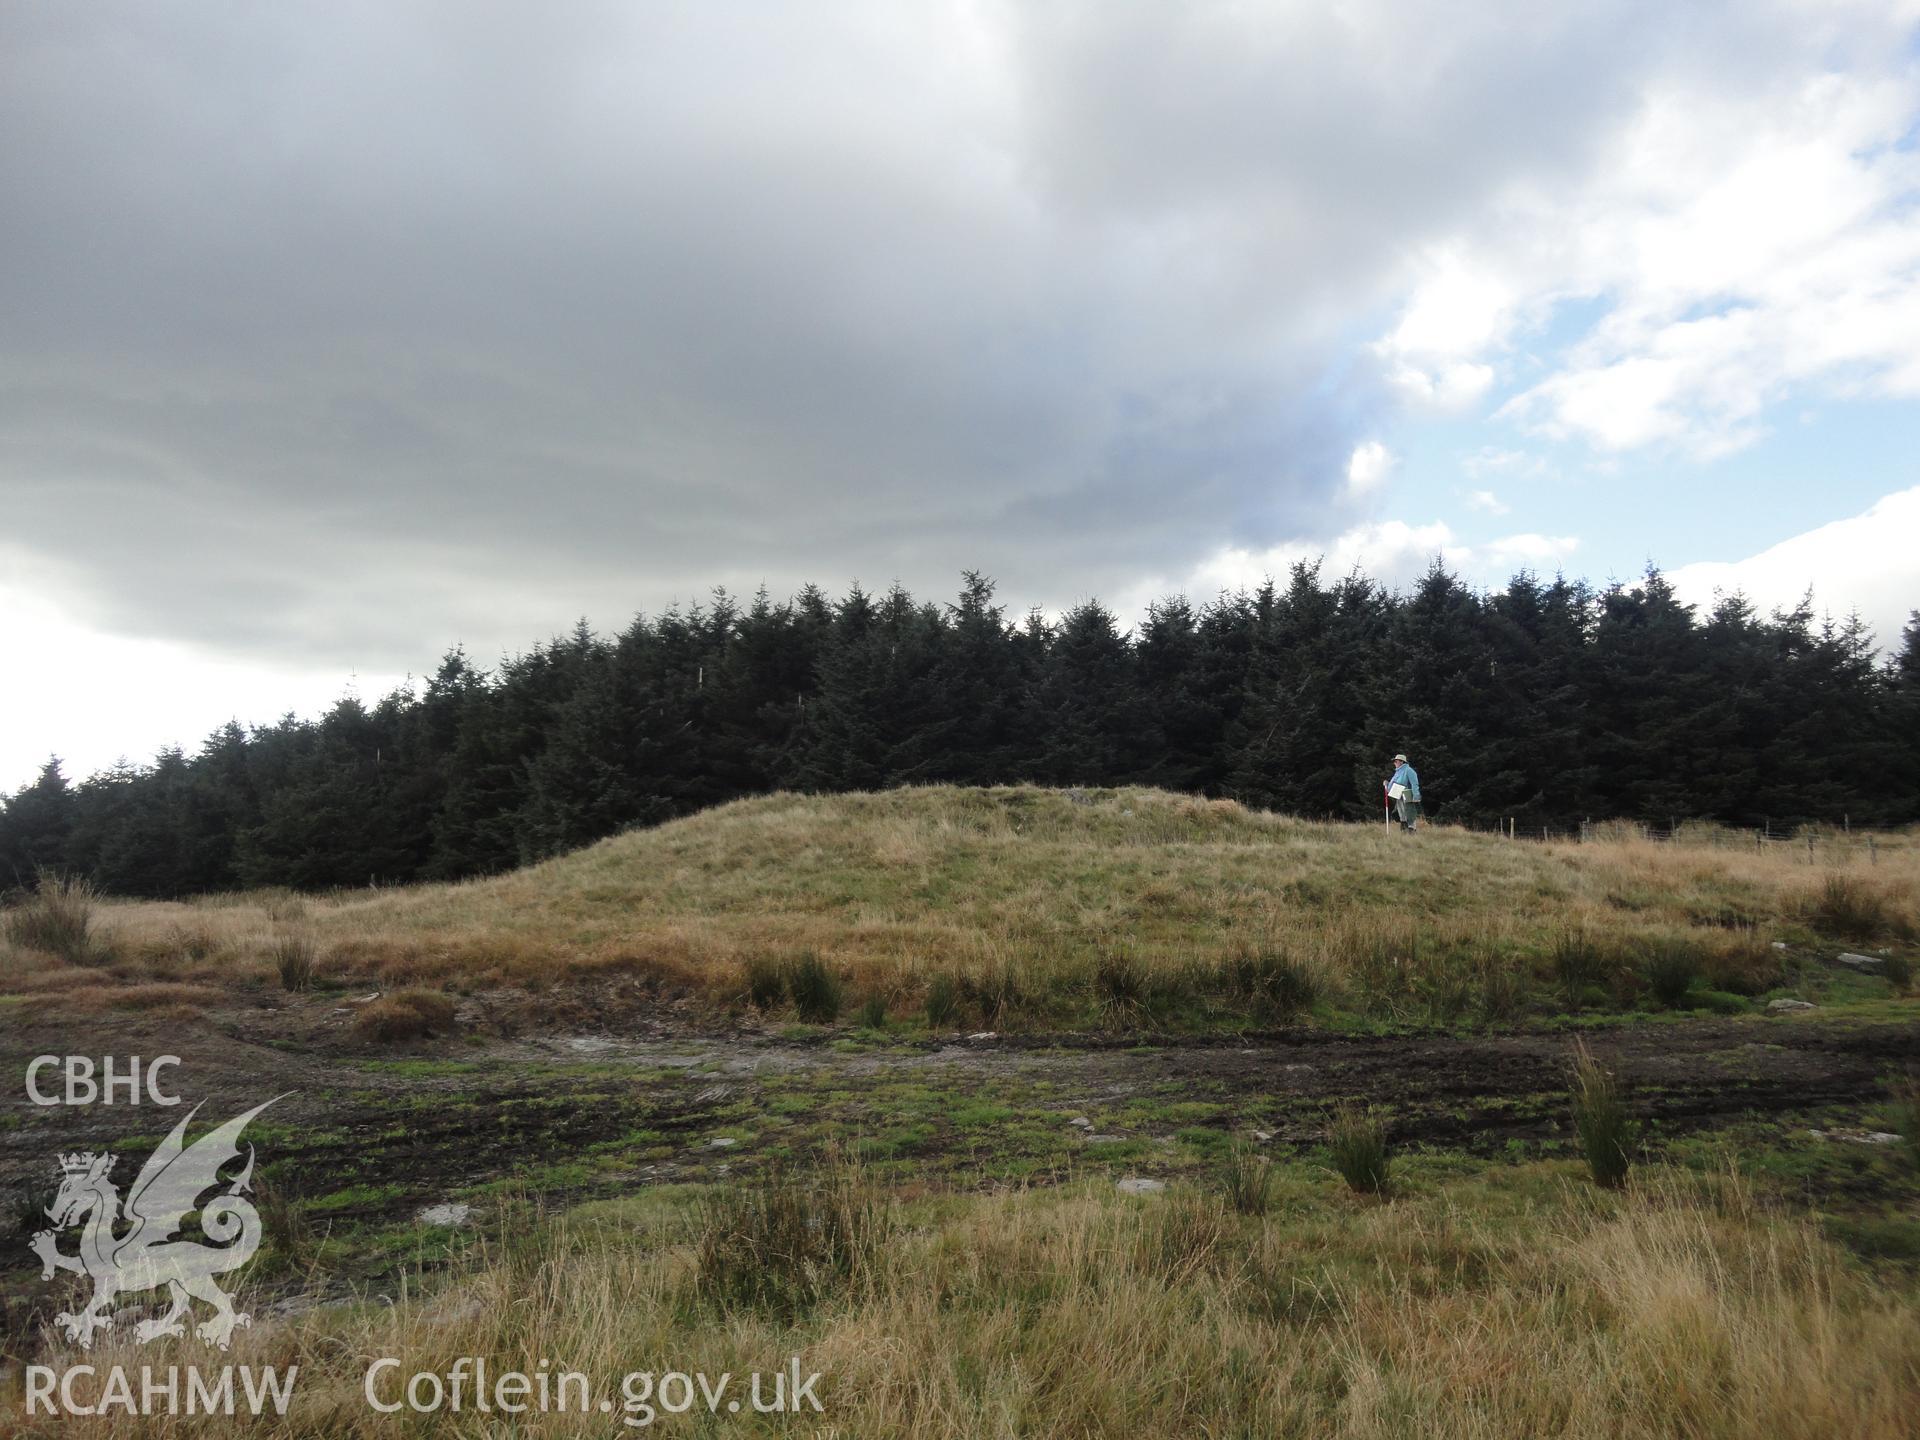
(1857, 1137)
(1140, 1185)
(1787, 1007)
(980, 1035)
(1081, 1122)
(1263, 1136)
(452, 1213)
(1779, 944)
(722, 1142)
(1867, 964)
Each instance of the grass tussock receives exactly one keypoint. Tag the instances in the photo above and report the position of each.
(1357, 1143)
(943, 1001)
(1580, 967)
(410, 1014)
(1275, 984)
(781, 1244)
(1849, 907)
(815, 989)
(1247, 1181)
(1671, 970)
(294, 955)
(1606, 1131)
(766, 982)
(56, 918)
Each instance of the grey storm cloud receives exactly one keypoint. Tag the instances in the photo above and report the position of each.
(342, 328)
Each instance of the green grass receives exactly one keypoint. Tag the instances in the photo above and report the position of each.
(354, 1197)
(1600, 1119)
(1357, 1147)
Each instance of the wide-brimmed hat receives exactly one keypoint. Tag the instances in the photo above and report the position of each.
(1400, 757)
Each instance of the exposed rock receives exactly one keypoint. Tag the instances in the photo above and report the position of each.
(722, 1142)
(453, 1309)
(1139, 1185)
(1081, 1122)
(289, 1307)
(1857, 1137)
(1779, 944)
(1093, 1139)
(1866, 964)
(1263, 1136)
(453, 1212)
(1784, 1006)
(981, 1035)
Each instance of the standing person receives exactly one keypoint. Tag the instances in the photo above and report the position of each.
(1407, 802)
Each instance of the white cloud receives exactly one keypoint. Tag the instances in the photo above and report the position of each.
(1390, 551)
(1454, 314)
(1512, 464)
(1500, 558)
(1368, 467)
(1488, 501)
(83, 683)
(1866, 562)
(1751, 234)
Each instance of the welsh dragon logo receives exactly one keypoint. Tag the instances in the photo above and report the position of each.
(146, 1254)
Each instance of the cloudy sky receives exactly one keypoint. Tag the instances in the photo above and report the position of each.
(334, 334)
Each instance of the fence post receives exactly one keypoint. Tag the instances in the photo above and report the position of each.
(1873, 851)
(1809, 847)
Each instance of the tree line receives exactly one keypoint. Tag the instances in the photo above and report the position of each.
(1548, 701)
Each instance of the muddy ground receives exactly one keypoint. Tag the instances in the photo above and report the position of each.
(369, 1134)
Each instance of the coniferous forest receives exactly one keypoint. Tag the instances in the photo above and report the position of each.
(1545, 701)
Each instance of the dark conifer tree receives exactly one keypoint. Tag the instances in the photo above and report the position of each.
(36, 828)
(1090, 722)
(1648, 685)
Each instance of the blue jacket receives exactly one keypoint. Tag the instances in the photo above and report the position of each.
(1405, 776)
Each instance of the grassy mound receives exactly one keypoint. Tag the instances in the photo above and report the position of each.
(1022, 904)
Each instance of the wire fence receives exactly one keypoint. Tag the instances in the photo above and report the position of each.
(1820, 844)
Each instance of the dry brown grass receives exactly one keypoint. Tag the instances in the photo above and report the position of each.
(409, 1014)
(892, 888)
(1528, 1306)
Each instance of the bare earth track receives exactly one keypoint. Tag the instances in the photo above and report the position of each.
(419, 1124)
